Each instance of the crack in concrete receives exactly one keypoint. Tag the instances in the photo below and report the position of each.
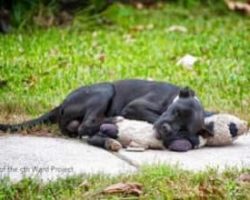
(119, 156)
(126, 159)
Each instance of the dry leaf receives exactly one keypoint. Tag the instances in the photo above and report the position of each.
(176, 28)
(187, 61)
(139, 5)
(128, 38)
(64, 18)
(94, 34)
(85, 185)
(150, 26)
(126, 188)
(141, 27)
(102, 57)
(244, 177)
(138, 28)
(239, 6)
(31, 81)
(44, 21)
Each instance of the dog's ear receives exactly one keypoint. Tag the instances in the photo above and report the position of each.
(207, 131)
(186, 92)
(192, 93)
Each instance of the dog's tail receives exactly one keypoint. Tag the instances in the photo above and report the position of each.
(48, 118)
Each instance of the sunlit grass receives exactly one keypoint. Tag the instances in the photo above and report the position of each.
(158, 182)
(42, 66)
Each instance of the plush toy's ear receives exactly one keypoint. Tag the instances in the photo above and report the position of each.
(207, 131)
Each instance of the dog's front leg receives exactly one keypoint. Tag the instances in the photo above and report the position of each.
(104, 142)
(141, 109)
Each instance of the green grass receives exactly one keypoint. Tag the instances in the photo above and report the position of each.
(41, 66)
(158, 182)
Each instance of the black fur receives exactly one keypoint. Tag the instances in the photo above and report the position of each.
(233, 129)
(48, 118)
(152, 101)
(184, 118)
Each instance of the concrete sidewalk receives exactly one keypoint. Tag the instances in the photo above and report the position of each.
(49, 158)
(236, 155)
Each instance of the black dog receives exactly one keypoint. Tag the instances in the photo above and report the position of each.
(171, 109)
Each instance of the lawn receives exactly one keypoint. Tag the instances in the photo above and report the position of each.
(39, 67)
(158, 182)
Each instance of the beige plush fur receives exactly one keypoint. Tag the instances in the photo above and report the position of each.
(133, 133)
(221, 131)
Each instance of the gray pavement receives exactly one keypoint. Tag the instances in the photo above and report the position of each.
(49, 158)
(236, 155)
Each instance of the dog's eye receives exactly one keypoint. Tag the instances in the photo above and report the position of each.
(166, 127)
(185, 113)
(176, 112)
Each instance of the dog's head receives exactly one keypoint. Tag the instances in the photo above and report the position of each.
(184, 118)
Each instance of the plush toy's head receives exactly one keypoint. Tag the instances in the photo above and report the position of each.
(225, 129)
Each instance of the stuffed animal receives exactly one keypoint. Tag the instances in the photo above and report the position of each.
(139, 135)
(225, 129)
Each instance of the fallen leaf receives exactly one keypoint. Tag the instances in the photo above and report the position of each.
(177, 28)
(44, 21)
(150, 26)
(31, 81)
(64, 18)
(139, 5)
(187, 61)
(138, 28)
(85, 185)
(128, 38)
(239, 6)
(101, 57)
(244, 177)
(94, 34)
(141, 27)
(126, 188)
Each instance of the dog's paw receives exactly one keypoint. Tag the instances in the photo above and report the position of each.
(112, 145)
(109, 130)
